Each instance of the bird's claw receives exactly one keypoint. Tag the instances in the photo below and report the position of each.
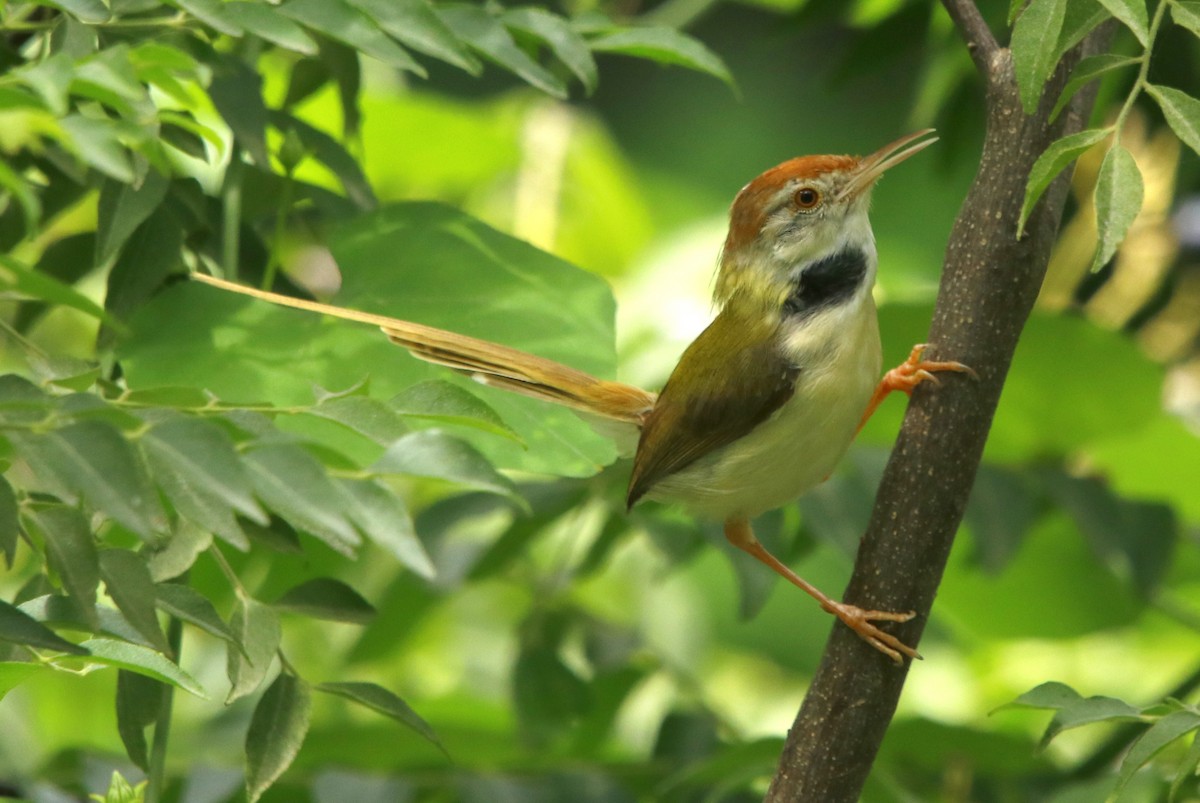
(861, 621)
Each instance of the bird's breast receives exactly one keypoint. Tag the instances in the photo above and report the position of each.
(838, 356)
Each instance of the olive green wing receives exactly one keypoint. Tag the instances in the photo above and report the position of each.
(716, 394)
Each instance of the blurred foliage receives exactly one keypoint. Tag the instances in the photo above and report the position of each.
(403, 586)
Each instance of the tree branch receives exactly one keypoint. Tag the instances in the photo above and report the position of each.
(989, 284)
(981, 44)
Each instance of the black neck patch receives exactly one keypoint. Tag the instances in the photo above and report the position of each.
(827, 282)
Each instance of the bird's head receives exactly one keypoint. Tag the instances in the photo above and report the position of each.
(801, 212)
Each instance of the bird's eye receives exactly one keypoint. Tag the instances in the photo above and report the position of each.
(807, 198)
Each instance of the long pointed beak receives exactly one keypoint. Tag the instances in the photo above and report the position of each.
(870, 168)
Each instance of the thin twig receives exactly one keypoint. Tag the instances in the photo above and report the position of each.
(981, 44)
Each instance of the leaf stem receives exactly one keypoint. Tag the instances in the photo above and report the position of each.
(1140, 82)
(157, 775)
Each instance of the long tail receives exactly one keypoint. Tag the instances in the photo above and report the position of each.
(489, 363)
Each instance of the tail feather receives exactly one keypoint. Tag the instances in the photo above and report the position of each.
(490, 363)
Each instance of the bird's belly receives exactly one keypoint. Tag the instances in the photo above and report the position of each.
(783, 457)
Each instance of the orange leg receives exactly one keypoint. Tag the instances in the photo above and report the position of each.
(907, 376)
(740, 534)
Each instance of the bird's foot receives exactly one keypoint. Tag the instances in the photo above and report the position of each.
(915, 370)
(861, 621)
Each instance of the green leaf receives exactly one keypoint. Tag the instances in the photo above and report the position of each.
(236, 92)
(8, 521)
(341, 21)
(1182, 112)
(196, 465)
(434, 454)
(1118, 199)
(560, 37)
(1081, 18)
(547, 694)
(139, 700)
(326, 598)
(505, 291)
(13, 673)
(448, 403)
(487, 36)
(1186, 14)
(256, 628)
(277, 729)
(93, 460)
(384, 702)
(189, 605)
(1161, 733)
(89, 11)
(174, 555)
(1034, 48)
(666, 46)
(122, 208)
(1003, 507)
(18, 277)
(21, 628)
(1056, 157)
(333, 155)
(1085, 712)
(211, 13)
(294, 484)
(20, 189)
(98, 144)
(128, 583)
(264, 20)
(416, 24)
(1133, 14)
(383, 517)
(1052, 694)
(71, 552)
(1088, 70)
(142, 660)
(368, 417)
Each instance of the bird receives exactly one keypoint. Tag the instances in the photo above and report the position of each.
(767, 399)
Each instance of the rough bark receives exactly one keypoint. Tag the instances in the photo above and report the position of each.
(989, 284)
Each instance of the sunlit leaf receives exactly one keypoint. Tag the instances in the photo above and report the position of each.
(369, 417)
(277, 730)
(1052, 694)
(18, 277)
(384, 702)
(12, 673)
(1034, 44)
(210, 12)
(327, 598)
(90, 11)
(1118, 200)
(97, 142)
